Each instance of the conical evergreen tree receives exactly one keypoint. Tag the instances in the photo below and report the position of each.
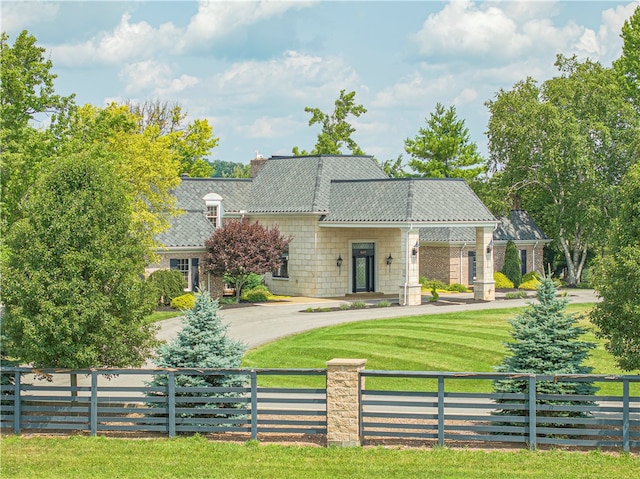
(546, 341)
(202, 343)
(511, 268)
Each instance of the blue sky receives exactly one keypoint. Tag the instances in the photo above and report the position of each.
(251, 68)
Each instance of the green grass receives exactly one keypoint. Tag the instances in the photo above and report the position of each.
(162, 315)
(471, 341)
(83, 457)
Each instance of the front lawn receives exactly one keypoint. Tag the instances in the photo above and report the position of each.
(472, 341)
(195, 457)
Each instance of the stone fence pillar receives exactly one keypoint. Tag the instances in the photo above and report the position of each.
(343, 404)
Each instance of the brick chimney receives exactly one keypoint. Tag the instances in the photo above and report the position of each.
(256, 164)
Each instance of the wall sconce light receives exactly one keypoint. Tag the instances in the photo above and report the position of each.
(389, 259)
(490, 247)
(415, 249)
(339, 261)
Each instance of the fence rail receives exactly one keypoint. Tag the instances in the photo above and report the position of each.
(30, 404)
(125, 401)
(528, 418)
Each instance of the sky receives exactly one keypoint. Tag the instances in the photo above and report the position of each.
(251, 68)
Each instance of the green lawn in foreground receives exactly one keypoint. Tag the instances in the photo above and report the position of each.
(471, 341)
(96, 458)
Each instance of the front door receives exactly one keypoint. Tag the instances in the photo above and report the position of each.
(363, 267)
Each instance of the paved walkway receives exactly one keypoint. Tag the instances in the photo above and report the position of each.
(263, 323)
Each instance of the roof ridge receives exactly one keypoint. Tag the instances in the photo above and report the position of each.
(410, 201)
(316, 189)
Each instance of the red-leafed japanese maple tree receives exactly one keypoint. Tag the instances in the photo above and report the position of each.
(240, 248)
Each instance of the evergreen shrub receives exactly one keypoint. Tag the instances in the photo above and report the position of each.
(531, 275)
(202, 343)
(511, 267)
(186, 301)
(546, 340)
(502, 282)
(457, 287)
(531, 285)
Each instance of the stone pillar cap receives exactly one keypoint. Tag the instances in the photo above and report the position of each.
(346, 362)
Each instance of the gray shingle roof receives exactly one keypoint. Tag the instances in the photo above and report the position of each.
(517, 226)
(344, 188)
(303, 184)
(405, 200)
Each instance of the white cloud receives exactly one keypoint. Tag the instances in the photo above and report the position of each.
(216, 19)
(155, 77)
(269, 127)
(503, 31)
(293, 75)
(127, 42)
(18, 16)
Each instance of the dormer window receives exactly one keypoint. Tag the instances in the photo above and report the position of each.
(213, 203)
(212, 214)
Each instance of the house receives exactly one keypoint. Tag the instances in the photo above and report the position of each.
(354, 229)
(449, 254)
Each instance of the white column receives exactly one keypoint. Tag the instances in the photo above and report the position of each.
(411, 290)
(484, 286)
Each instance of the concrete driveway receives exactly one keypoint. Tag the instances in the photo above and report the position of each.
(266, 322)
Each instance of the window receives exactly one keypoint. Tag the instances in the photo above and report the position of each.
(189, 268)
(212, 215)
(283, 270)
(523, 261)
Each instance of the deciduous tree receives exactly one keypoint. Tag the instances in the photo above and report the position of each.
(563, 147)
(628, 65)
(27, 95)
(616, 278)
(72, 278)
(240, 248)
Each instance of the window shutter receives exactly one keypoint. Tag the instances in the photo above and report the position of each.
(173, 263)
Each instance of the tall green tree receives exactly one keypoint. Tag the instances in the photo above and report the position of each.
(336, 130)
(511, 268)
(616, 278)
(628, 65)
(546, 340)
(27, 96)
(443, 149)
(72, 278)
(563, 147)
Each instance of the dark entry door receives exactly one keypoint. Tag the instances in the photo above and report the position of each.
(472, 267)
(363, 267)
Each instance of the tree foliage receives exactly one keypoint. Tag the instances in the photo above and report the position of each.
(443, 149)
(563, 147)
(616, 278)
(546, 340)
(512, 268)
(336, 130)
(394, 168)
(240, 248)
(192, 142)
(72, 278)
(27, 95)
(144, 160)
(166, 284)
(628, 65)
(202, 343)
